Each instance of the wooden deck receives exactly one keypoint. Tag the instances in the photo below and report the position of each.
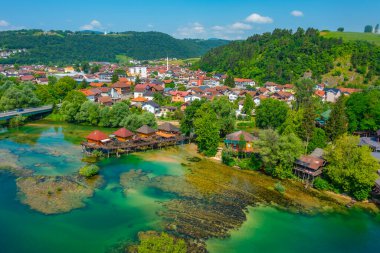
(116, 147)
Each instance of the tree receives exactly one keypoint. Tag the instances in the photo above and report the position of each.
(71, 105)
(119, 111)
(377, 28)
(248, 105)
(308, 122)
(368, 29)
(83, 84)
(225, 113)
(137, 80)
(337, 123)
(363, 111)
(318, 140)
(115, 78)
(351, 168)
(230, 81)
(292, 123)
(279, 152)
(187, 122)
(161, 243)
(206, 128)
(304, 92)
(88, 113)
(340, 29)
(271, 113)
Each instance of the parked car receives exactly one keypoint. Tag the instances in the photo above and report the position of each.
(20, 110)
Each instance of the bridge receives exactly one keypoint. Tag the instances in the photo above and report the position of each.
(26, 112)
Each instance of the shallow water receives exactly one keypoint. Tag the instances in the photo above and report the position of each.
(110, 219)
(271, 230)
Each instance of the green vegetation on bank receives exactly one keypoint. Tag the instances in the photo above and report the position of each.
(284, 56)
(66, 47)
(89, 171)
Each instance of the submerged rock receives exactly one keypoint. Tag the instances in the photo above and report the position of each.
(55, 194)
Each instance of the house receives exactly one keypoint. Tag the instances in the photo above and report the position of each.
(178, 96)
(120, 89)
(97, 138)
(145, 131)
(233, 96)
(151, 107)
(106, 100)
(97, 85)
(308, 167)
(138, 71)
(272, 87)
(167, 130)
(332, 94)
(240, 141)
(242, 83)
(123, 134)
(165, 110)
(138, 101)
(91, 94)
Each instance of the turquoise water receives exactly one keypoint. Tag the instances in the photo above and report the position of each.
(271, 230)
(110, 219)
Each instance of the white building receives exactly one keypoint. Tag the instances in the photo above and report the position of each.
(138, 71)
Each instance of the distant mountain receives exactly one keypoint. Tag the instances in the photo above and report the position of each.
(66, 47)
(284, 56)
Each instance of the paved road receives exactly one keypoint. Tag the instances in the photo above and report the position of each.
(27, 111)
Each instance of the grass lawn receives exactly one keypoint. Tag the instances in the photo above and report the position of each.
(352, 36)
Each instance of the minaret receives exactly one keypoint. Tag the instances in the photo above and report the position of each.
(167, 63)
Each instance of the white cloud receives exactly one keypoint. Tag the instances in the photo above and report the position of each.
(240, 26)
(257, 18)
(4, 23)
(150, 25)
(192, 30)
(296, 13)
(94, 24)
(218, 28)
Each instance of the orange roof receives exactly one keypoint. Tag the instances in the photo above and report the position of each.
(97, 136)
(165, 135)
(349, 90)
(319, 93)
(93, 84)
(123, 133)
(87, 92)
(139, 99)
(240, 80)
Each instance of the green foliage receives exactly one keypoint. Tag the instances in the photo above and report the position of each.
(321, 184)
(284, 57)
(89, 171)
(225, 113)
(228, 155)
(368, 29)
(230, 81)
(271, 113)
(340, 29)
(363, 111)
(162, 243)
(248, 105)
(187, 122)
(17, 121)
(13, 96)
(279, 152)
(75, 47)
(350, 167)
(206, 127)
(336, 125)
(279, 187)
(318, 140)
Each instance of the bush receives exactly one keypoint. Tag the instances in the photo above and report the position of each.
(17, 121)
(228, 156)
(321, 184)
(279, 187)
(89, 171)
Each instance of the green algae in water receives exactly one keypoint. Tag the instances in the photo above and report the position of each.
(270, 230)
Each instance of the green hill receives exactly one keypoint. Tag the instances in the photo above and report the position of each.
(353, 36)
(66, 47)
(284, 56)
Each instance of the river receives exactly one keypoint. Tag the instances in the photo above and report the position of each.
(111, 219)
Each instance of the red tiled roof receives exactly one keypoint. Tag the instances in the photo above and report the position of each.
(319, 93)
(312, 162)
(123, 133)
(120, 84)
(240, 134)
(105, 99)
(97, 136)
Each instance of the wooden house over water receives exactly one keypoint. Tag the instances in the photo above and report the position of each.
(97, 137)
(167, 130)
(123, 134)
(145, 131)
(308, 167)
(240, 141)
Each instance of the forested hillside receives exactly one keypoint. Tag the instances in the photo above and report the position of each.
(283, 56)
(65, 47)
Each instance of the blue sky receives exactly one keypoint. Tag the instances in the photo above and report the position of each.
(190, 19)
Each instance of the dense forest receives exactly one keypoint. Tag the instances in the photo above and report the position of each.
(284, 56)
(66, 47)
